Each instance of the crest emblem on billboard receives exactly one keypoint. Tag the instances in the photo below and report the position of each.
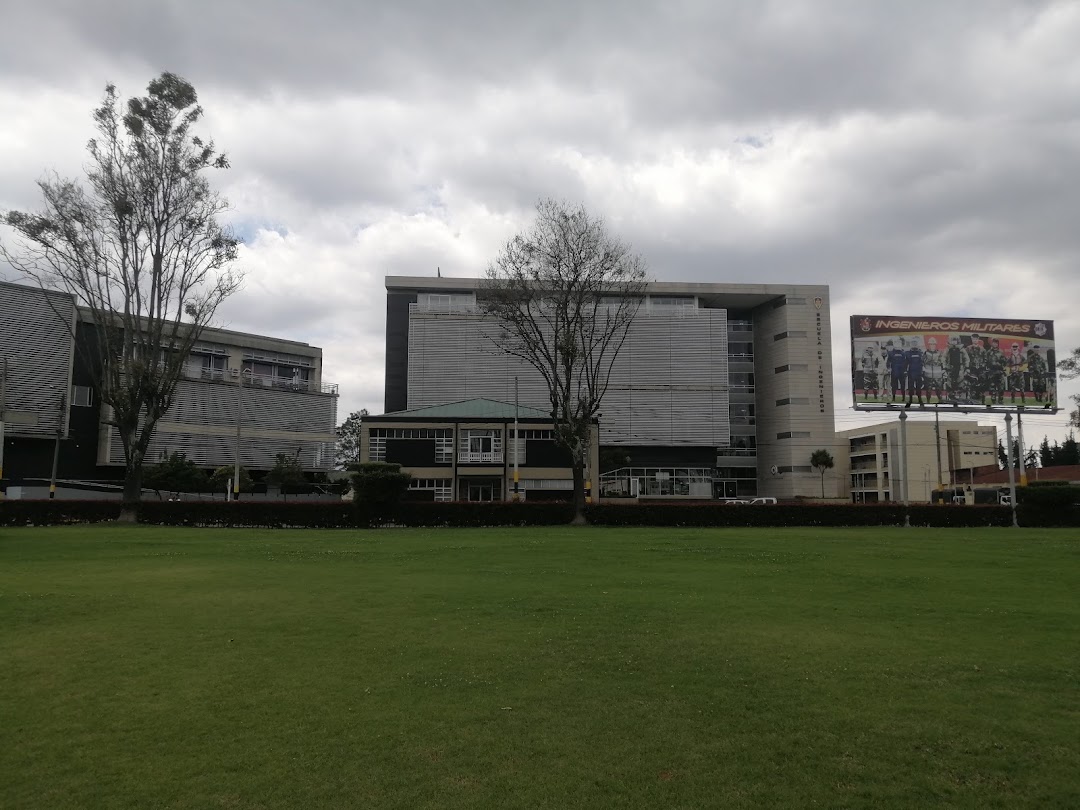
(1040, 329)
(818, 302)
(864, 324)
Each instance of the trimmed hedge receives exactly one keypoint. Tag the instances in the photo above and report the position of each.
(672, 514)
(324, 515)
(56, 513)
(260, 514)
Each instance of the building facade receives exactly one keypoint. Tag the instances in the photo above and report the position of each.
(724, 384)
(469, 451)
(271, 388)
(873, 464)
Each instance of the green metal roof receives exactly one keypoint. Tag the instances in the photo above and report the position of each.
(472, 409)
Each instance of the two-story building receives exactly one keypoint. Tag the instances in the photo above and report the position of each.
(469, 451)
(240, 393)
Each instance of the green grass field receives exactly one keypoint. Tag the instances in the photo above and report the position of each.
(153, 667)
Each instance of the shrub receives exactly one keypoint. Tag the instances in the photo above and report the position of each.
(378, 486)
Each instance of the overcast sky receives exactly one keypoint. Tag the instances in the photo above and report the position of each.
(919, 157)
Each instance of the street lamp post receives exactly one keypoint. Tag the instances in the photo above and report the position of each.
(61, 406)
(239, 420)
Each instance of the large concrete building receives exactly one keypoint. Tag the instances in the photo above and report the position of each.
(284, 405)
(873, 468)
(728, 385)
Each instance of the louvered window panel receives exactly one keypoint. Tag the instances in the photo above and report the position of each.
(669, 384)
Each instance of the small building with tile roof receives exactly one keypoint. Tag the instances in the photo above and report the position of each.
(468, 451)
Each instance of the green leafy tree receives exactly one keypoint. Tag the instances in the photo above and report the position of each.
(378, 485)
(1046, 453)
(1070, 451)
(348, 439)
(175, 474)
(286, 471)
(564, 294)
(139, 247)
(223, 476)
(822, 461)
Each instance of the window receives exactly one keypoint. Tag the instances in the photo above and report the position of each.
(443, 487)
(665, 301)
(534, 435)
(794, 434)
(741, 380)
(791, 333)
(739, 414)
(481, 446)
(444, 441)
(793, 401)
(82, 396)
(446, 302)
(792, 367)
(377, 446)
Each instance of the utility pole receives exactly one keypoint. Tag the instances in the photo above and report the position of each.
(56, 443)
(239, 419)
(1020, 448)
(903, 466)
(3, 404)
(1009, 466)
(517, 440)
(937, 446)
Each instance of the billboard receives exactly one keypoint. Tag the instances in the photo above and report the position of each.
(953, 363)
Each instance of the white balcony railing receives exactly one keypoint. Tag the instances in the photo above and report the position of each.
(262, 381)
(493, 457)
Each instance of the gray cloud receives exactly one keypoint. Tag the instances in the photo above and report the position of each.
(916, 156)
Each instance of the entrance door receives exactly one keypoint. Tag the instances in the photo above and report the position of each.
(480, 491)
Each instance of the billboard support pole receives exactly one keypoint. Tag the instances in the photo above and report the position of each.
(1009, 466)
(937, 447)
(1020, 448)
(903, 466)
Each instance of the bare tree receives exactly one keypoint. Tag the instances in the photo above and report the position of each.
(140, 248)
(564, 294)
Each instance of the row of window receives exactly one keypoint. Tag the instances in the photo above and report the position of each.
(411, 433)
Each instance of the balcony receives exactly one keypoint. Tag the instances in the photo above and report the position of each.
(473, 457)
(262, 381)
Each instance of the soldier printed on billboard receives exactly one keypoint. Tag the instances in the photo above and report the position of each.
(952, 363)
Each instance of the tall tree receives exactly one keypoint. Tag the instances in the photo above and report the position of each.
(1070, 451)
(348, 439)
(139, 246)
(564, 294)
(822, 461)
(1046, 453)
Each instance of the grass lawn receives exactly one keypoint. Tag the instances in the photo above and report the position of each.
(165, 667)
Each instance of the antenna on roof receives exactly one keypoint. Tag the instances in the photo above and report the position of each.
(438, 272)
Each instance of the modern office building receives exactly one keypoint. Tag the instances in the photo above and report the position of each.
(468, 451)
(725, 387)
(283, 405)
(873, 464)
